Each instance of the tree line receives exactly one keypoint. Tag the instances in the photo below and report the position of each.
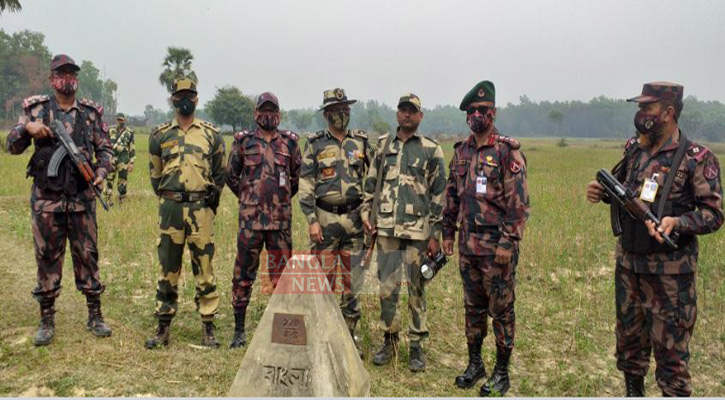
(24, 60)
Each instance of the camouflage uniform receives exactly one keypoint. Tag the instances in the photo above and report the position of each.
(64, 207)
(409, 213)
(332, 176)
(183, 166)
(494, 218)
(264, 176)
(655, 292)
(124, 151)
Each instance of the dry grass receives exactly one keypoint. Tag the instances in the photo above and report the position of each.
(565, 301)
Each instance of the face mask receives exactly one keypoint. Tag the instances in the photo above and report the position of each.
(338, 120)
(65, 84)
(268, 122)
(185, 106)
(479, 123)
(121, 125)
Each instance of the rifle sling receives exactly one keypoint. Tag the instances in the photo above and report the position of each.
(379, 183)
(679, 155)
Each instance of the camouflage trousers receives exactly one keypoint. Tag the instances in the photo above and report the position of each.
(399, 263)
(50, 231)
(249, 247)
(343, 236)
(121, 169)
(191, 224)
(489, 291)
(656, 311)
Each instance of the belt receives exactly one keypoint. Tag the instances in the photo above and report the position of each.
(338, 209)
(183, 197)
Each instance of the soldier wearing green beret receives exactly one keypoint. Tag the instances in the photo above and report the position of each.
(124, 155)
(487, 193)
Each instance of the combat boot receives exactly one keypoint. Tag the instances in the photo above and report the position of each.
(207, 335)
(240, 336)
(635, 385)
(46, 329)
(475, 369)
(161, 338)
(95, 324)
(351, 324)
(499, 381)
(388, 351)
(416, 362)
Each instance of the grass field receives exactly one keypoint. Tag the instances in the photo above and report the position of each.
(565, 300)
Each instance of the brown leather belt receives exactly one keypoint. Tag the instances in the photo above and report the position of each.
(183, 197)
(338, 209)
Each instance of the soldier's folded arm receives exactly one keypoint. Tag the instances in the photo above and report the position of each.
(234, 169)
(369, 189)
(707, 191)
(19, 138)
(103, 150)
(517, 200)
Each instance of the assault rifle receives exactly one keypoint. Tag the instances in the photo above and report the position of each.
(70, 149)
(634, 206)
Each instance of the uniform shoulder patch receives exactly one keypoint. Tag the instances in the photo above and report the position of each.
(290, 135)
(92, 105)
(316, 136)
(360, 133)
(429, 139)
(33, 100)
(160, 128)
(240, 135)
(209, 125)
(699, 152)
(457, 144)
(515, 144)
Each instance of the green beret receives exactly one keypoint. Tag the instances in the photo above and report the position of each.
(483, 92)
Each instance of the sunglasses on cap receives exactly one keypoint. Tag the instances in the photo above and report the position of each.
(481, 110)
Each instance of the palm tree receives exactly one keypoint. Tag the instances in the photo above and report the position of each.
(12, 5)
(177, 65)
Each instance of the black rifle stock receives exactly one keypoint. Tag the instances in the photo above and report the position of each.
(634, 206)
(69, 148)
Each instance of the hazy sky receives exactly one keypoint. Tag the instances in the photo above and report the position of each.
(546, 49)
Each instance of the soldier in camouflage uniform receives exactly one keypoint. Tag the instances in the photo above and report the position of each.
(263, 172)
(487, 196)
(64, 207)
(187, 169)
(408, 224)
(655, 289)
(124, 154)
(334, 164)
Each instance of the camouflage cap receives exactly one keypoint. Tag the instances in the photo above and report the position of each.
(412, 99)
(484, 92)
(656, 91)
(335, 96)
(182, 84)
(267, 97)
(62, 60)
(120, 116)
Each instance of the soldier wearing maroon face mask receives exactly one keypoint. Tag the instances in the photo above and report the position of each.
(64, 206)
(655, 290)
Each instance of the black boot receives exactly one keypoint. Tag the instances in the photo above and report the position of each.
(475, 370)
(388, 351)
(207, 335)
(46, 329)
(499, 381)
(351, 324)
(416, 361)
(95, 319)
(635, 385)
(240, 337)
(161, 338)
